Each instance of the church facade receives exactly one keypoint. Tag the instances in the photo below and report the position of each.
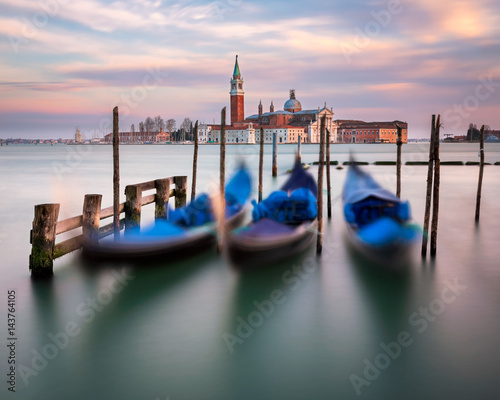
(289, 125)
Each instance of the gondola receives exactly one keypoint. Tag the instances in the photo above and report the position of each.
(283, 224)
(379, 223)
(187, 231)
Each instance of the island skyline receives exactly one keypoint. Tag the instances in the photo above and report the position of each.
(67, 65)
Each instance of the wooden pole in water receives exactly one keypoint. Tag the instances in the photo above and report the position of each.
(161, 197)
(133, 207)
(275, 155)
(299, 155)
(116, 175)
(261, 162)
(91, 217)
(195, 161)
(398, 162)
(481, 171)
(222, 182)
(435, 191)
(43, 238)
(428, 196)
(328, 181)
(319, 240)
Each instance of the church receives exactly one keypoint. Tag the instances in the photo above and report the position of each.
(290, 124)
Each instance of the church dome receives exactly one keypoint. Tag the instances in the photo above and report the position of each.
(292, 105)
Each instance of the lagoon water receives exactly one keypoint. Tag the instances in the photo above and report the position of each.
(175, 331)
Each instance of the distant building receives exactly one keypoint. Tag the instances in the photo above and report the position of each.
(289, 124)
(78, 136)
(353, 131)
(139, 137)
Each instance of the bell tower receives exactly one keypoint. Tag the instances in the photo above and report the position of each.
(237, 96)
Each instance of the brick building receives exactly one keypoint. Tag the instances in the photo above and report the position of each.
(352, 131)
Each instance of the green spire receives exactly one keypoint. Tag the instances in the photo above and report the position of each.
(236, 68)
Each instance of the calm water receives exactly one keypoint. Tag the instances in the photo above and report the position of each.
(175, 330)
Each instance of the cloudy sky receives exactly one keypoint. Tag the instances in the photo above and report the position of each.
(67, 63)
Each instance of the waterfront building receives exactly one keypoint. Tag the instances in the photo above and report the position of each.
(353, 131)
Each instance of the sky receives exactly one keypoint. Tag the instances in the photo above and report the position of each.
(67, 63)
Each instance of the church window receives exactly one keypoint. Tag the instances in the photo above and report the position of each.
(240, 86)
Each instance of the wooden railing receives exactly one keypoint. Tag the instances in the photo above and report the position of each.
(46, 226)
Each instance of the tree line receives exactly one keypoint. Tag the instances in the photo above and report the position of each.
(158, 124)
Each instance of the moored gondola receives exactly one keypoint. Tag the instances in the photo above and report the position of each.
(284, 224)
(187, 231)
(379, 223)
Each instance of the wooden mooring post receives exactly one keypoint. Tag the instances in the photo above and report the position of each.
(46, 226)
(435, 190)
(43, 239)
(133, 205)
(180, 191)
(319, 239)
(91, 217)
(261, 162)
(328, 181)
(275, 155)
(161, 197)
(428, 196)
(195, 161)
(222, 178)
(299, 151)
(399, 143)
(116, 174)
(481, 172)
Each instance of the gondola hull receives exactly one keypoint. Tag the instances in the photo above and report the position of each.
(247, 251)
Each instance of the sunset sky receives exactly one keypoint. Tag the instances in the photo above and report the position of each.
(68, 63)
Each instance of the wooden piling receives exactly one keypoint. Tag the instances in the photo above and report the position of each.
(275, 155)
(299, 151)
(116, 175)
(435, 191)
(43, 238)
(222, 183)
(195, 161)
(328, 181)
(319, 240)
(161, 198)
(481, 172)
(261, 162)
(398, 161)
(428, 196)
(91, 217)
(133, 205)
(180, 191)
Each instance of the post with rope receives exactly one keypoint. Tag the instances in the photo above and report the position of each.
(319, 240)
(481, 171)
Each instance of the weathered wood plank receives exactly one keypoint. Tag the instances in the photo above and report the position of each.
(148, 199)
(68, 246)
(69, 224)
(108, 212)
(43, 238)
(108, 230)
